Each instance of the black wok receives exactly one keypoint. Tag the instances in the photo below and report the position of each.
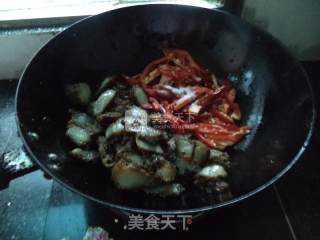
(274, 94)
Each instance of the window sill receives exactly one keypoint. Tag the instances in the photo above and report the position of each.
(22, 36)
(70, 12)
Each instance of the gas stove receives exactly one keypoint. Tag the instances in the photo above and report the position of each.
(32, 206)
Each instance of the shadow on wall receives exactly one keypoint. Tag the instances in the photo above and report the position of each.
(310, 52)
(251, 15)
(293, 22)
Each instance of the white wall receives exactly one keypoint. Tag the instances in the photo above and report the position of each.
(295, 22)
(17, 48)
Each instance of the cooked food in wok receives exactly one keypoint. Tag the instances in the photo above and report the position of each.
(160, 131)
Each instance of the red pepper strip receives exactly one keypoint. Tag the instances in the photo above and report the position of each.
(224, 107)
(177, 128)
(205, 76)
(228, 127)
(150, 91)
(183, 59)
(228, 137)
(209, 142)
(165, 94)
(202, 103)
(178, 75)
(214, 81)
(218, 121)
(236, 114)
(175, 104)
(231, 95)
(165, 79)
(161, 86)
(207, 128)
(181, 54)
(235, 109)
(221, 145)
(202, 118)
(184, 101)
(162, 93)
(148, 106)
(203, 90)
(185, 69)
(156, 105)
(216, 128)
(221, 98)
(227, 85)
(151, 76)
(219, 92)
(221, 140)
(176, 123)
(213, 129)
(213, 141)
(151, 66)
(173, 119)
(222, 116)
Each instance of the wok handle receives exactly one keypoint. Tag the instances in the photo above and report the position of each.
(14, 164)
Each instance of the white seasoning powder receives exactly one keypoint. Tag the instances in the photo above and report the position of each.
(189, 94)
(185, 92)
(194, 108)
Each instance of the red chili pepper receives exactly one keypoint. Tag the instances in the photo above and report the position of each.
(202, 118)
(161, 86)
(236, 114)
(209, 142)
(151, 66)
(212, 107)
(222, 116)
(159, 93)
(181, 54)
(150, 91)
(231, 95)
(156, 105)
(227, 85)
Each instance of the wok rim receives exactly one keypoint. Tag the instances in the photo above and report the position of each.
(178, 211)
